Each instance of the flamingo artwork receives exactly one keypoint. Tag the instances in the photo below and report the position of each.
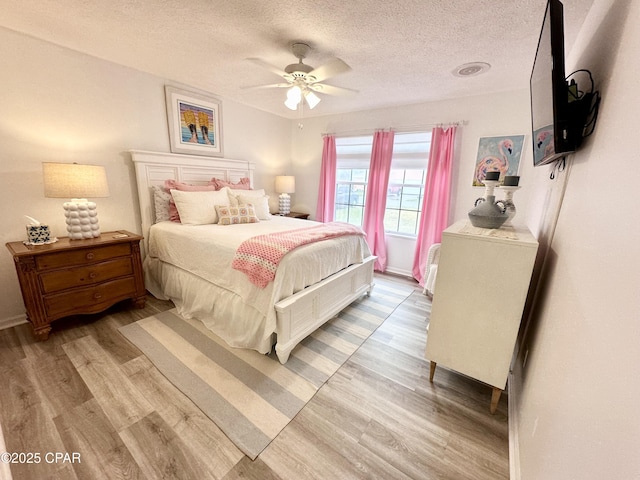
(544, 144)
(494, 163)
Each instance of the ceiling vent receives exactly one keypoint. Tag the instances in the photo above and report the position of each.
(471, 69)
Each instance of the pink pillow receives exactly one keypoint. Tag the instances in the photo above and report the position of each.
(243, 184)
(185, 187)
(174, 216)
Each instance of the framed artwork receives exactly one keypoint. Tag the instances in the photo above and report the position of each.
(195, 124)
(500, 154)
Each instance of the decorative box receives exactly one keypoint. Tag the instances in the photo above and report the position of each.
(38, 234)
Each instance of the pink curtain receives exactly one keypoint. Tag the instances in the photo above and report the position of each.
(327, 190)
(376, 200)
(435, 204)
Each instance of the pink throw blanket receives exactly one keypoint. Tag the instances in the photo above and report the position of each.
(259, 256)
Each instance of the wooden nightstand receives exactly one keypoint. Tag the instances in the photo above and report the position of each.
(303, 216)
(71, 277)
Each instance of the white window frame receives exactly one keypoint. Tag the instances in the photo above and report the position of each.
(410, 152)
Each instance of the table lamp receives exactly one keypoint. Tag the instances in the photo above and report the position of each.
(77, 182)
(285, 184)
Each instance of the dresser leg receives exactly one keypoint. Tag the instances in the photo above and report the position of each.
(140, 302)
(495, 398)
(432, 370)
(42, 333)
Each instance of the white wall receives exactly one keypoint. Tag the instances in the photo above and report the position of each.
(577, 414)
(60, 105)
(487, 115)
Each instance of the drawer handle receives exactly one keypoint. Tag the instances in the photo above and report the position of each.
(93, 275)
(90, 256)
(97, 295)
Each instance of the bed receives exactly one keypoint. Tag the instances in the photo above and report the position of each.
(312, 283)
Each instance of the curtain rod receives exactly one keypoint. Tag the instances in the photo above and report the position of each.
(402, 129)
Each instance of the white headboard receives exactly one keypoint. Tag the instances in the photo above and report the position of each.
(153, 168)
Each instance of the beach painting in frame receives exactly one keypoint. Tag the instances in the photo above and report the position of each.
(195, 125)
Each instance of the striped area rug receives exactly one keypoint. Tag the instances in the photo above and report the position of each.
(252, 397)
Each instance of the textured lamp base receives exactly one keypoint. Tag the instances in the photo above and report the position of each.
(284, 204)
(82, 219)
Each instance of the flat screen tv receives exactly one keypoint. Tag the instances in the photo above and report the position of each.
(554, 131)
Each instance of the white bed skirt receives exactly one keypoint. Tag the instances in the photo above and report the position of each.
(212, 305)
(291, 320)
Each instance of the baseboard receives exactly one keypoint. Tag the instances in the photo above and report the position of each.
(514, 388)
(399, 272)
(12, 321)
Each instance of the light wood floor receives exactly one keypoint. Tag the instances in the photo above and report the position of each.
(87, 390)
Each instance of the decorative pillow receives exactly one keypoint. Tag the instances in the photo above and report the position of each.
(169, 185)
(260, 205)
(236, 215)
(243, 184)
(233, 195)
(198, 208)
(161, 200)
(186, 187)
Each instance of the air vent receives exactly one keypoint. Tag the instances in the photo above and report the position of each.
(471, 69)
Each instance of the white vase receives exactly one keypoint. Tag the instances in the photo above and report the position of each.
(508, 201)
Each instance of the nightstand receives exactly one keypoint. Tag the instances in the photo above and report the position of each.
(72, 277)
(303, 216)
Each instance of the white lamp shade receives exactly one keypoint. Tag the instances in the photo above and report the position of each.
(291, 104)
(312, 99)
(70, 180)
(285, 184)
(77, 182)
(294, 94)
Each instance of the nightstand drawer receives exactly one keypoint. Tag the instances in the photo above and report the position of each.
(82, 256)
(90, 299)
(57, 280)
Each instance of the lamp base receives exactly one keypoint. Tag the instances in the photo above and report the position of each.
(284, 204)
(82, 219)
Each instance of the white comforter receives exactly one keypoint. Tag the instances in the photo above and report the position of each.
(192, 266)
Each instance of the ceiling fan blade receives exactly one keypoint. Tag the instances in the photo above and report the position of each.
(268, 66)
(273, 85)
(330, 69)
(331, 90)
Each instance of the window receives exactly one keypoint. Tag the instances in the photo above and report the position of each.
(404, 200)
(406, 180)
(352, 174)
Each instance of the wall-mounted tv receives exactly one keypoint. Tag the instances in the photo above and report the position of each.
(554, 131)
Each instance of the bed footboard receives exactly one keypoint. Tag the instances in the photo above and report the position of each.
(301, 314)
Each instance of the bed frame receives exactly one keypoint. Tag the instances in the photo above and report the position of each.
(297, 316)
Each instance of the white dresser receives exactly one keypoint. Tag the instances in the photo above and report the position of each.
(483, 278)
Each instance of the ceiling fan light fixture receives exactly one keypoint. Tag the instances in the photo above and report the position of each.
(304, 80)
(291, 104)
(311, 98)
(294, 96)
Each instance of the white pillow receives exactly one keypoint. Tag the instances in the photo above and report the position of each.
(260, 204)
(199, 208)
(233, 195)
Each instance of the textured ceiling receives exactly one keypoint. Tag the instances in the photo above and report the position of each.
(400, 52)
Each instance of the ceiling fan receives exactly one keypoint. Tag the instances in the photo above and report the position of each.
(303, 81)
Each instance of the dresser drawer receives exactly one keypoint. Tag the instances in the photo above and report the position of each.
(82, 256)
(57, 280)
(91, 299)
